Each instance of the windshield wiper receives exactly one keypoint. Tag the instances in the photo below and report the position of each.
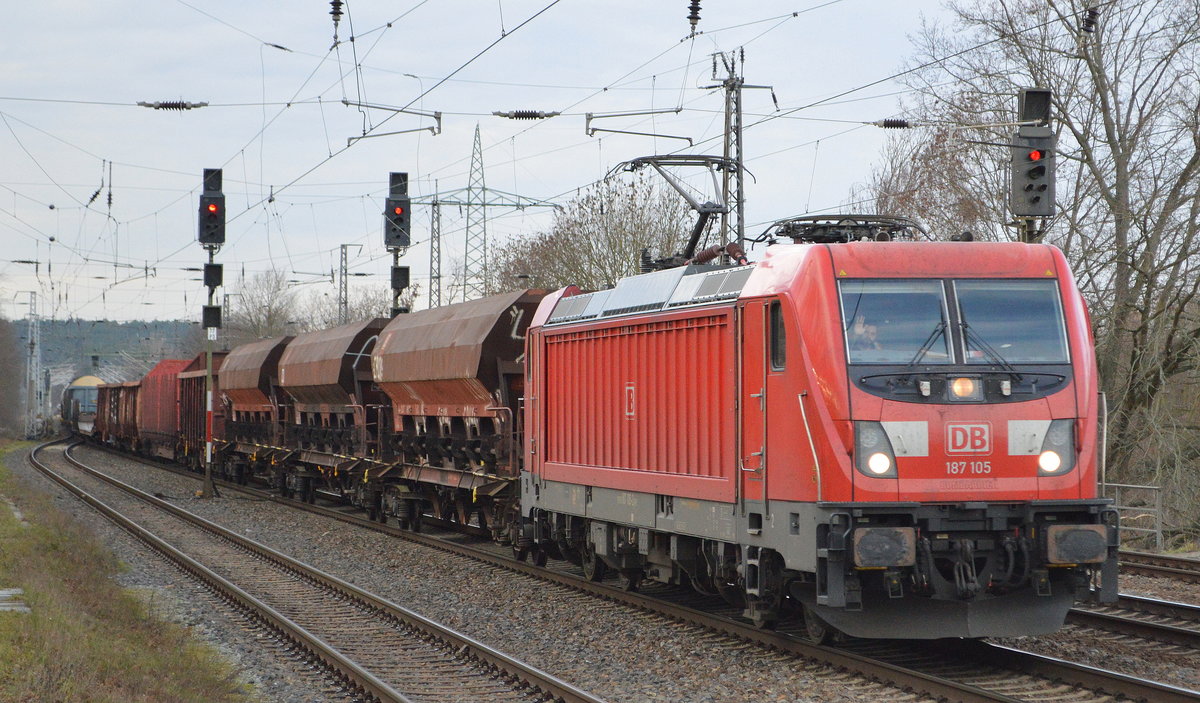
(937, 329)
(993, 355)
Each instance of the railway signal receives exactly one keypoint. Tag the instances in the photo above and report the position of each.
(397, 233)
(397, 222)
(1032, 192)
(1032, 152)
(211, 233)
(211, 230)
(397, 212)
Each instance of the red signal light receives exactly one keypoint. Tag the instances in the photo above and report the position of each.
(398, 210)
(213, 207)
(1035, 155)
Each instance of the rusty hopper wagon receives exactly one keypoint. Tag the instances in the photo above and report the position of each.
(335, 407)
(454, 376)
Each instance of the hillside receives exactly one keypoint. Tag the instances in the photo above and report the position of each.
(125, 349)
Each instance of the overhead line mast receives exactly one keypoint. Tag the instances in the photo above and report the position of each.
(733, 193)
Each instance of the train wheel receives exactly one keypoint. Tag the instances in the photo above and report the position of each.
(540, 557)
(815, 628)
(520, 553)
(594, 567)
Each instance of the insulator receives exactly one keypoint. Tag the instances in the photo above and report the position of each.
(527, 115)
(694, 12)
(1089, 20)
(893, 123)
(335, 10)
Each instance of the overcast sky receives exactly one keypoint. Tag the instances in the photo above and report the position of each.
(274, 80)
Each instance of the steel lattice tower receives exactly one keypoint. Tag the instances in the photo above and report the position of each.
(343, 289)
(476, 198)
(435, 252)
(475, 269)
(33, 372)
(733, 222)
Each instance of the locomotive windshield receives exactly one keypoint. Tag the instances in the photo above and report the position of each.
(995, 322)
(895, 322)
(1020, 320)
(87, 400)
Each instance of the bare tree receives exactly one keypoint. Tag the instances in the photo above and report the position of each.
(927, 175)
(320, 310)
(263, 306)
(11, 359)
(1127, 106)
(597, 238)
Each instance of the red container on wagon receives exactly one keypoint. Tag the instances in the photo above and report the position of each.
(158, 408)
(116, 414)
(193, 407)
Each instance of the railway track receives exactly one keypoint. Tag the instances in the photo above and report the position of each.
(964, 671)
(1160, 565)
(374, 649)
(1145, 618)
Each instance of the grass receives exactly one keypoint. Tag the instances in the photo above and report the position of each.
(88, 639)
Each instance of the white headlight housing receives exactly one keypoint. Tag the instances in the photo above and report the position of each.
(1058, 449)
(873, 455)
(1049, 461)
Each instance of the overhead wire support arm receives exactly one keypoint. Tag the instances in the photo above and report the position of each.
(436, 115)
(900, 123)
(591, 131)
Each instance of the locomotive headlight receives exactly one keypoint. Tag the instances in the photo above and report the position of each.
(966, 388)
(1058, 449)
(873, 455)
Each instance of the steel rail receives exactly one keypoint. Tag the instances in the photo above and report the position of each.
(1160, 565)
(899, 676)
(457, 641)
(1103, 618)
(1110, 682)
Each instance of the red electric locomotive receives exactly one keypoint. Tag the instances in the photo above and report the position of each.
(899, 436)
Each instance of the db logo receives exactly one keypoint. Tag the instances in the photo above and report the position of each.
(968, 438)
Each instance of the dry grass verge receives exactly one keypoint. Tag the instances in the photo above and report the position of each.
(88, 639)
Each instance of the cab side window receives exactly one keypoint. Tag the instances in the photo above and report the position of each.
(778, 337)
